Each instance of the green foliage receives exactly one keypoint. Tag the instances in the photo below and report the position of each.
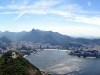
(49, 39)
(17, 66)
(5, 39)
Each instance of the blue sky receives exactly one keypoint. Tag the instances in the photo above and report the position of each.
(69, 17)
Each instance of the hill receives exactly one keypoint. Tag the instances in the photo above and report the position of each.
(12, 63)
(12, 35)
(38, 36)
(46, 37)
(5, 39)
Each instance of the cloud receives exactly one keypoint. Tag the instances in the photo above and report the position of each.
(1, 7)
(20, 15)
(73, 30)
(89, 3)
(10, 12)
(46, 3)
(72, 12)
(19, 2)
(88, 20)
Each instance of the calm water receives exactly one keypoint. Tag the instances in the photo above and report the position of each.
(59, 62)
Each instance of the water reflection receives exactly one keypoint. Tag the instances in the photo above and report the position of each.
(59, 62)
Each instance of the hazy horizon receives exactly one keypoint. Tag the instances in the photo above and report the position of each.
(68, 17)
(75, 36)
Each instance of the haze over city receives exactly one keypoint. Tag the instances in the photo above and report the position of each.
(69, 17)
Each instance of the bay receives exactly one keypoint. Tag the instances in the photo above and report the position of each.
(58, 62)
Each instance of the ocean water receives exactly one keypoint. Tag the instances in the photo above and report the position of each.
(58, 62)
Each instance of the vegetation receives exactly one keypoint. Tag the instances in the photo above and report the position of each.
(18, 66)
(49, 39)
(5, 39)
(4, 42)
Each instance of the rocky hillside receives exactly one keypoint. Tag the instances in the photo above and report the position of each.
(12, 63)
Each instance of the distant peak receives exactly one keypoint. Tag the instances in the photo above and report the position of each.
(6, 31)
(33, 29)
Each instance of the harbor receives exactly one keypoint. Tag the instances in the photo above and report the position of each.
(59, 62)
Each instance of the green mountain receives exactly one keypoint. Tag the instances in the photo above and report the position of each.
(46, 37)
(4, 43)
(38, 36)
(12, 63)
(5, 40)
(12, 35)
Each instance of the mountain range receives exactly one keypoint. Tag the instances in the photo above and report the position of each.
(39, 36)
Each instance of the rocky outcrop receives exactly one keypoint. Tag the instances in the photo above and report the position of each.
(12, 63)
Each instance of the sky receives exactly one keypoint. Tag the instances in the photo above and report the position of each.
(68, 17)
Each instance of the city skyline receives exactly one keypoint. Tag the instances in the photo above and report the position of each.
(69, 17)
